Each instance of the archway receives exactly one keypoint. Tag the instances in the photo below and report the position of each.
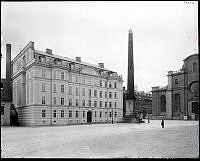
(163, 103)
(89, 117)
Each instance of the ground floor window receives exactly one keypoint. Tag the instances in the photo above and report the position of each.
(100, 113)
(83, 113)
(54, 113)
(2, 110)
(76, 113)
(70, 113)
(43, 113)
(115, 114)
(110, 114)
(62, 113)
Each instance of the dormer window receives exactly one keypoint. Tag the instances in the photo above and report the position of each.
(176, 81)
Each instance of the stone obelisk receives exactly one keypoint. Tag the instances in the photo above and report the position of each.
(130, 100)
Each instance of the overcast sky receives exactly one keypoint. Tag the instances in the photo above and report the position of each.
(164, 33)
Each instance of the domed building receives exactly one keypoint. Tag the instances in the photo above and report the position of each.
(180, 98)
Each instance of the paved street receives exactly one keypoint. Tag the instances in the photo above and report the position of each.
(179, 139)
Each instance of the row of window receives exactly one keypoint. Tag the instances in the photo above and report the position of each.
(62, 89)
(62, 114)
(62, 76)
(77, 102)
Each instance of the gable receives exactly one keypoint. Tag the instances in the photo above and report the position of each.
(89, 71)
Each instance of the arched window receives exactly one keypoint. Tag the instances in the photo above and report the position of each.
(163, 103)
(176, 103)
(195, 67)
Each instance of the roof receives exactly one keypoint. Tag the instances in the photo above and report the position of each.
(5, 93)
(69, 59)
(190, 56)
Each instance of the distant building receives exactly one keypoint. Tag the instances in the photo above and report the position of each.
(180, 98)
(52, 90)
(143, 102)
(6, 90)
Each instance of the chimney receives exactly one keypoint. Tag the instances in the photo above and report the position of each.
(101, 65)
(48, 51)
(78, 59)
(8, 62)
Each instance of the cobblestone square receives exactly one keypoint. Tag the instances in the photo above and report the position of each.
(179, 139)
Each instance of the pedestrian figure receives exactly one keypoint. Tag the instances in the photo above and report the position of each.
(148, 119)
(162, 123)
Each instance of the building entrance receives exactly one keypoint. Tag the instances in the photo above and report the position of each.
(195, 109)
(89, 117)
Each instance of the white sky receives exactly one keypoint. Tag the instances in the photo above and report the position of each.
(164, 33)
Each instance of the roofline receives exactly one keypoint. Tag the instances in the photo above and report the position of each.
(190, 56)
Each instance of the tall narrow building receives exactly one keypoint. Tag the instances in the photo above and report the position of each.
(130, 100)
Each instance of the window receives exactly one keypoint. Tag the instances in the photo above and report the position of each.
(110, 94)
(54, 113)
(54, 87)
(70, 113)
(115, 114)
(70, 76)
(43, 87)
(76, 113)
(105, 104)
(110, 104)
(195, 67)
(77, 91)
(105, 94)
(89, 102)
(83, 91)
(70, 90)
(95, 114)
(62, 101)
(95, 93)
(100, 103)
(70, 102)
(115, 104)
(100, 94)
(105, 114)
(100, 83)
(54, 74)
(110, 114)
(105, 84)
(43, 113)
(62, 113)
(83, 113)
(43, 100)
(83, 80)
(76, 102)
(90, 92)
(62, 88)
(76, 78)
(115, 85)
(83, 103)
(115, 94)
(54, 100)
(110, 85)
(176, 81)
(43, 73)
(95, 103)
(62, 76)
(2, 110)
(100, 114)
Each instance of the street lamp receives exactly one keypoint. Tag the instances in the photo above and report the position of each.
(112, 116)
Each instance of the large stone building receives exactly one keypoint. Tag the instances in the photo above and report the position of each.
(180, 98)
(52, 90)
(6, 90)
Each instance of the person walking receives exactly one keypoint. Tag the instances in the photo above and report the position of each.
(162, 123)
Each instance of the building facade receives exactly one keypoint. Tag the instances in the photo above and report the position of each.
(52, 90)
(180, 98)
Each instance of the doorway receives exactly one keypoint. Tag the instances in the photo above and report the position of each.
(195, 109)
(89, 117)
